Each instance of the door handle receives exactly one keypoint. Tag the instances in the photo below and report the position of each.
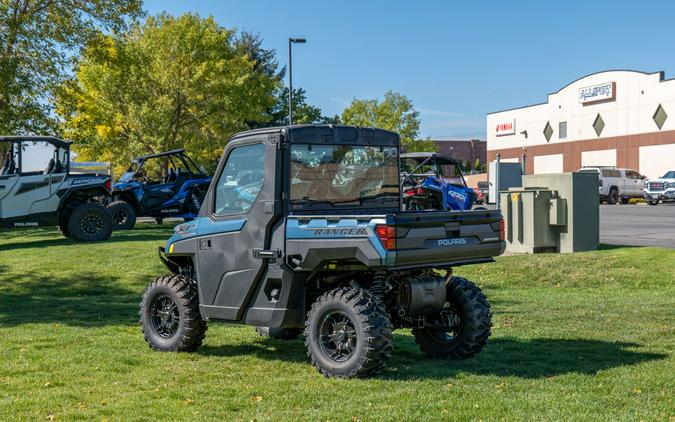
(266, 254)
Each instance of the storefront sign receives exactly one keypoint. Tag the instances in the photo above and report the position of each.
(506, 128)
(597, 93)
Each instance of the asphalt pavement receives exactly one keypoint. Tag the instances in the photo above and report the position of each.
(638, 225)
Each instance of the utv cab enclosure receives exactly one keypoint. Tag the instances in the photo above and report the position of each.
(302, 229)
(37, 188)
(168, 184)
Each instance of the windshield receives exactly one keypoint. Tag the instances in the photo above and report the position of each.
(408, 165)
(328, 176)
(669, 175)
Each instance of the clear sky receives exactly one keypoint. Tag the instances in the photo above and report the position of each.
(455, 60)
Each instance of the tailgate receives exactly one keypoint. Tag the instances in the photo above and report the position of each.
(447, 238)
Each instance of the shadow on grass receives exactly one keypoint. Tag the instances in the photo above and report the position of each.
(609, 247)
(504, 357)
(522, 358)
(89, 300)
(140, 234)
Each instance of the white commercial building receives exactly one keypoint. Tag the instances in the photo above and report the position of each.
(615, 118)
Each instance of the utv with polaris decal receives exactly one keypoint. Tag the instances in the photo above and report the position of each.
(318, 244)
(168, 184)
(434, 182)
(53, 196)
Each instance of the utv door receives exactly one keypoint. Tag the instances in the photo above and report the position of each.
(241, 210)
(27, 196)
(6, 184)
(155, 196)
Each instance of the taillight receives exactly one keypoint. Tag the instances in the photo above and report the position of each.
(108, 184)
(502, 230)
(387, 236)
(419, 191)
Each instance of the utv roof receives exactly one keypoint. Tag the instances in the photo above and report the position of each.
(35, 138)
(440, 159)
(160, 154)
(329, 134)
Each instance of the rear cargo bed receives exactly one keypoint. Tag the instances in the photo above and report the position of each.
(438, 238)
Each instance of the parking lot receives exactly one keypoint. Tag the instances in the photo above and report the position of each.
(638, 225)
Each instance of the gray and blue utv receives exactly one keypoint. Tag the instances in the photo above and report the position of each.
(316, 240)
(51, 194)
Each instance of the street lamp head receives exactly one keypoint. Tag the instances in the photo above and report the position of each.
(298, 40)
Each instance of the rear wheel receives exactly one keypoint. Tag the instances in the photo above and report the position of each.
(169, 315)
(625, 200)
(463, 324)
(90, 223)
(613, 196)
(123, 215)
(348, 334)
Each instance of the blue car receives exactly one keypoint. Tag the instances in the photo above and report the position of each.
(168, 184)
(433, 182)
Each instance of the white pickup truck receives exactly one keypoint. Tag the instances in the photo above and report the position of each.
(662, 189)
(617, 184)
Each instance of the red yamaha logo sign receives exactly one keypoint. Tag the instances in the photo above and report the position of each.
(506, 128)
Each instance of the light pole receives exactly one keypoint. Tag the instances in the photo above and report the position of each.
(290, 76)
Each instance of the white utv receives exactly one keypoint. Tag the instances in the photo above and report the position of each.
(53, 196)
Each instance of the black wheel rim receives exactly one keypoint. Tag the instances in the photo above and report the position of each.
(92, 224)
(164, 316)
(337, 336)
(120, 217)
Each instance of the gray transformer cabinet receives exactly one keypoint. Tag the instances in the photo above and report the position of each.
(552, 212)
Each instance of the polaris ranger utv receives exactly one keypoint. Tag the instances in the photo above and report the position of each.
(31, 197)
(318, 240)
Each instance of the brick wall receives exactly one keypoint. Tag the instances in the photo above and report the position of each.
(463, 149)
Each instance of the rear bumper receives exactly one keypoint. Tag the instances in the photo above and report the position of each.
(440, 257)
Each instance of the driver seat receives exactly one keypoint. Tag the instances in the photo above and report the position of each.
(50, 167)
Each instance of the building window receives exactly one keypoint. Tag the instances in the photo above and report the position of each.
(562, 130)
(548, 131)
(660, 116)
(598, 124)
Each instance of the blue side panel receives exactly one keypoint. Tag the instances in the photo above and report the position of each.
(341, 229)
(204, 227)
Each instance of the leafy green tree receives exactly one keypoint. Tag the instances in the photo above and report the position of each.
(477, 166)
(303, 113)
(37, 40)
(169, 82)
(395, 113)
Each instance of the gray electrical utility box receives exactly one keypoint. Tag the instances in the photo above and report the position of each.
(552, 212)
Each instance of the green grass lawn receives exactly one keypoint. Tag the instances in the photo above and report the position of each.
(587, 336)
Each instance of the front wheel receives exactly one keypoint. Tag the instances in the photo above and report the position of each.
(90, 223)
(348, 333)
(123, 215)
(462, 328)
(169, 315)
(653, 202)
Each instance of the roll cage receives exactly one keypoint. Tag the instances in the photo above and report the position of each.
(172, 156)
(432, 159)
(12, 161)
